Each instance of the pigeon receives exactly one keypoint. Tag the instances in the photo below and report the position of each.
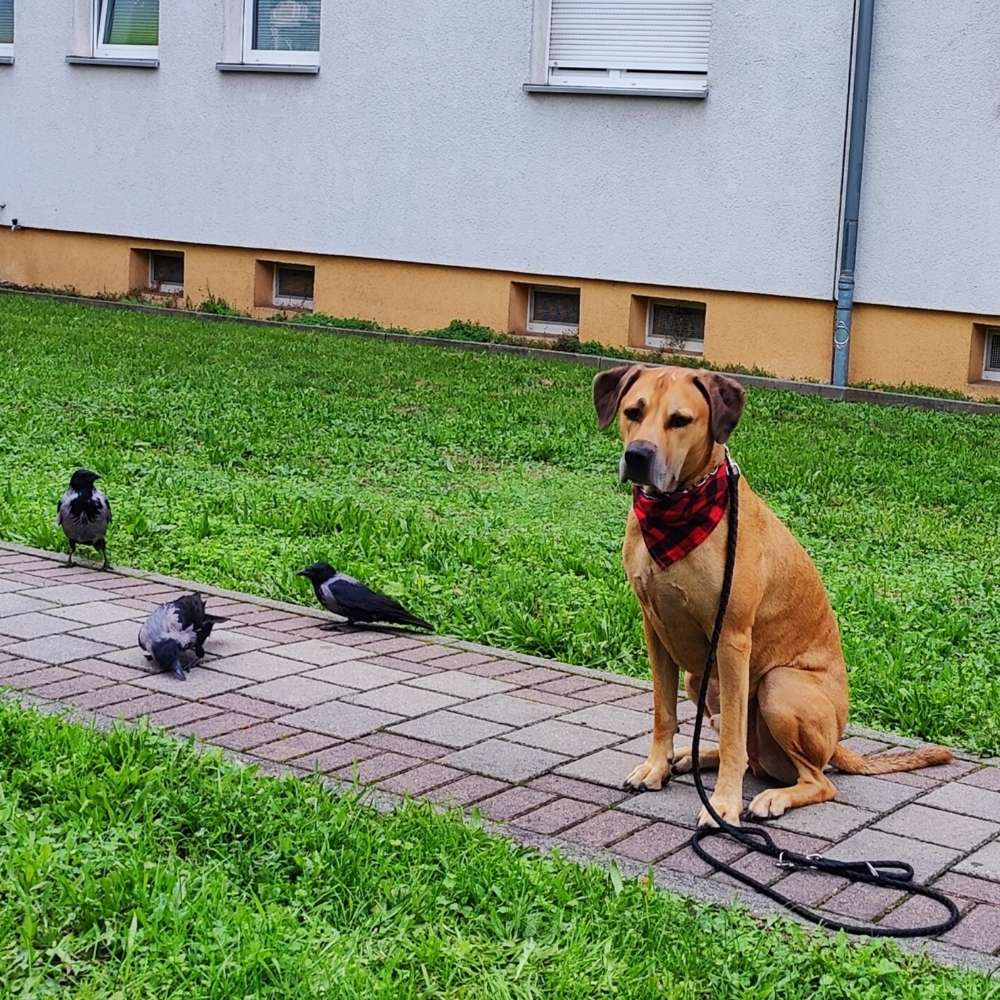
(175, 634)
(345, 596)
(84, 514)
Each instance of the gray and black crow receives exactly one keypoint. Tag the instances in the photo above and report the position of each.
(84, 514)
(345, 596)
(175, 634)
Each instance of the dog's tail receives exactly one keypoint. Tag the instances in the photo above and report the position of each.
(888, 763)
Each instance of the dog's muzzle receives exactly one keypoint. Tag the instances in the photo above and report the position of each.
(638, 462)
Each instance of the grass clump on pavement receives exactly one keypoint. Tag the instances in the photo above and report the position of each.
(477, 488)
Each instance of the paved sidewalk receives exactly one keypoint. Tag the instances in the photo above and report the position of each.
(538, 747)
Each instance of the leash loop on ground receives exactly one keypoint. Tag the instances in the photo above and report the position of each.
(890, 874)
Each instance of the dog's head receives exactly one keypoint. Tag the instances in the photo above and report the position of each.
(670, 420)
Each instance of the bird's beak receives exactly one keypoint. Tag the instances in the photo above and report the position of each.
(302, 572)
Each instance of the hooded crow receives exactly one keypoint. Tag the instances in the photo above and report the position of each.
(84, 514)
(175, 634)
(345, 596)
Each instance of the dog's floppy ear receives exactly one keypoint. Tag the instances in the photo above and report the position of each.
(725, 402)
(609, 387)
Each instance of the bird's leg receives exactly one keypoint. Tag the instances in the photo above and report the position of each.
(102, 547)
(72, 550)
(179, 671)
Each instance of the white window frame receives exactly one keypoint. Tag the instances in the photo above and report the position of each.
(164, 287)
(292, 301)
(550, 329)
(665, 343)
(990, 374)
(274, 57)
(7, 48)
(102, 51)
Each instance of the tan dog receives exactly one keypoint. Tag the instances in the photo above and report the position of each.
(781, 693)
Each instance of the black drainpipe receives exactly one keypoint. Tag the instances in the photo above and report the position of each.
(852, 196)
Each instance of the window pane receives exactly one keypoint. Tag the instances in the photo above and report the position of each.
(556, 307)
(168, 269)
(677, 324)
(295, 282)
(993, 354)
(6, 22)
(292, 25)
(132, 22)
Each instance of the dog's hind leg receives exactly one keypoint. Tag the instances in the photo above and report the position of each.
(802, 723)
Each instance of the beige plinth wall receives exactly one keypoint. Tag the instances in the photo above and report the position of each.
(786, 336)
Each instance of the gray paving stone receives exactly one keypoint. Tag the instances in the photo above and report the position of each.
(826, 819)
(605, 828)
(57, 649)
(508, 710)
(938, 827)
(987, 777)
(402, 699)
(979, 930)
(257, 665)
(606, 767)
(653, 842)
(955, 884)
(295, 691)
(571, 788)
(8, 586)
(201, 683)
(320, 653)
(927, 860)
(449, 729)
(67, 593)
(338, 719)
(871, 793)
(503, 760)
(225, 642)
(133, 657)
(965, 799)
(97, 613)
(562, 737)
(862, 902)
(676, 803)
(556, 816)
(360, 674)
(34, 624)
(513, 802)
(983, 864)
(462, 685)
(611, 719)
(124, 634)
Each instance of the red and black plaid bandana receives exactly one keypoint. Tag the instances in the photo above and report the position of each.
(677, 523)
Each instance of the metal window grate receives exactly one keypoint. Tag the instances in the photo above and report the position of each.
(293, 286)
(166, 272)
(676, 326)
(993, 350)
(286, 25)
(561, 308)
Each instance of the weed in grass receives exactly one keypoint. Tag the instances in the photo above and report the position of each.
(131, 867)
(478, 487)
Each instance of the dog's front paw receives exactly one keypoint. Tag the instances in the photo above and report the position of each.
(649, 776)
(729, 810)
(770, 803)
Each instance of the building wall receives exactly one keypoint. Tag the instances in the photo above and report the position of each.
(417, 143)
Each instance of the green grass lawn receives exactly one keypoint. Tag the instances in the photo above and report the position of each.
(131, 867)
(478, 488)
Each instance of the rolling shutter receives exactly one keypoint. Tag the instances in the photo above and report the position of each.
(6, 22)
(651, 35)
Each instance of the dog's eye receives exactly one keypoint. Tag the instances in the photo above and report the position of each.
(679, 420)
(633, 412)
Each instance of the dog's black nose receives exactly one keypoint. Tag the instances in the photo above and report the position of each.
(638, 461)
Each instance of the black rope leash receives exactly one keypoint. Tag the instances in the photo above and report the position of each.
(888, 874)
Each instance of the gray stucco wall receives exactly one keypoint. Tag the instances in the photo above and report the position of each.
(930, 209)
(416, 142)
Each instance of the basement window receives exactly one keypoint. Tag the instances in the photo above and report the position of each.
(6, 31)
(991, 358)
(554, 311)
(293, 286)
(675, 326)
(166, 272)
